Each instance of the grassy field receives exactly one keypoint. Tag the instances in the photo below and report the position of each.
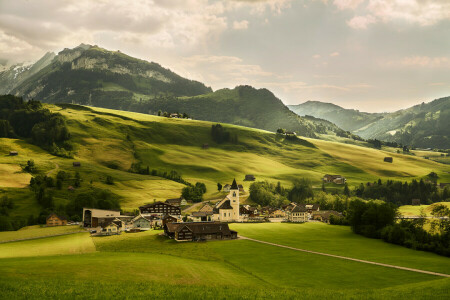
(107, 142)
(414, 210)
(36, 231)
(148, 265)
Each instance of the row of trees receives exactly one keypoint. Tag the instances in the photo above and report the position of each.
(194, 192)
(220, 135)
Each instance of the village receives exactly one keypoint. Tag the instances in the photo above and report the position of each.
(210, 222)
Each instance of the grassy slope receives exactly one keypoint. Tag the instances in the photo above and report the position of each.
(414, 210)
(146, 264)
(100, 138)
(36, 232)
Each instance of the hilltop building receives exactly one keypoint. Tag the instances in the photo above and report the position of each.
(338, 179)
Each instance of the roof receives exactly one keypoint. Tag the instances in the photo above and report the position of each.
(142, 217)
(225, 205)
(206, 208)
(153, 204)
(175, 200)
(333, 176)
(202, 213)
(59, 217)
(200, 227)
(299, 208)
(226, 185)
(234, 185)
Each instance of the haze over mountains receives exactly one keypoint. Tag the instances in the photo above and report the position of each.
(424, 125)
(91, 75)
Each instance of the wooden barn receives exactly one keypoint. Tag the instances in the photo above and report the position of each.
(199, 231)
(388, 159)
(55, 220)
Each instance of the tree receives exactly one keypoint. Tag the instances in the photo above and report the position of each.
(346, 190)
(159, 112)
(109, 180)
(301, 190)
(77, 182)
(323, 187)
(219, 186)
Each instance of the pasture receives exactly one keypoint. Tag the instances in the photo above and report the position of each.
(415, 210)
(147, 264)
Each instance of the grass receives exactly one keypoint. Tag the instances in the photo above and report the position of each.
(36, 232)
(148, 265)
(61, 245)
(414, 210)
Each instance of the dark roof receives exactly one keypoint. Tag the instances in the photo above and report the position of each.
(200, 227)
(59, 217)
(103, 222)
(333, 176)
(299, 208)
(234, 185)
(153, 204)
(176, 200)
(202, 213)
(225, 205)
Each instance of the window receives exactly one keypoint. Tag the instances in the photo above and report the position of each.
(234, 194)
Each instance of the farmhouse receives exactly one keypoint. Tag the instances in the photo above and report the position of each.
(177, 201)
(226, 188)
(76, 164)
(241, 188)
(202, 216)
(110, 227)
(249, 178)
(13, 153)
(388, 159)
(91, 216)
(142, 222)
(55, 220)
(199, 231)
(169, 219)
(338, 179)
(298, 214)
(160, 209)
(227, 210)
(415, 202)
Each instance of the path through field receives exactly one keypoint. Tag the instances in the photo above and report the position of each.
(348, 258)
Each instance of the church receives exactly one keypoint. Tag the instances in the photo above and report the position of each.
(227, 210)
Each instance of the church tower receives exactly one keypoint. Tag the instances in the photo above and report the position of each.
(234, 200)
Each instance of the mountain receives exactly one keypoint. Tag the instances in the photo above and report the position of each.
(90, 75)
(347, 119)
(426, 125)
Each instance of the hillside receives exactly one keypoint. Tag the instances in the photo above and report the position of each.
(425, 125)
(108, 142)
(90, 75)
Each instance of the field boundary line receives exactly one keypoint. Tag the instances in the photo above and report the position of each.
(349, 258)
(39, 237)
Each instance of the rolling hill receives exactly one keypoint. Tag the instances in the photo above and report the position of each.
(426, 125)
(90, 75)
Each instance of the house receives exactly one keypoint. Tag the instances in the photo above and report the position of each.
(337, 179)
(160, 209)
(324, 216)
(70, 188)
(91, 216)
(169, 219)
(206, 208)
(13, 153)
(299, 214)
(226, 188)
(199, 231)
(249, 178)
(277, 213)
(205, 146)
(202, 216)
(227, 210)
(110, 227)
(55, 220)
(388, 159)
(177, 201)
(241, 188)
(76, 164)
(174, 115)
(415, 202)
(142, 222)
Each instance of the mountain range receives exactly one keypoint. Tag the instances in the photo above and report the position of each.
(423, 125)
(90, 75)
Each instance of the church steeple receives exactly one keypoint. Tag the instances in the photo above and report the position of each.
(234, 185)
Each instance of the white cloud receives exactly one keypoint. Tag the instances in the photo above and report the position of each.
(420, 61)
(240, 25)
(347, 4)
(316, 56)
(334, 54)
(361, 22)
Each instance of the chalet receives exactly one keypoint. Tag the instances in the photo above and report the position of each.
(241, 188)
(298, 215)
(338, 179)
(169, 219)
(55, 220)
(177, 201)
(415, 202)
(324, 216)
(91, 216)
(202, 216)
(76, 164)
(205, 146)
(110, 227)
(388, 159)
(226, 188)
(142, 222)
(160, 209)
(227, 210)
(290, 133)
(249, 178)
(199, 231)
(13, 153)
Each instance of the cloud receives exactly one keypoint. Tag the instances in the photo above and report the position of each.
(361, 22)
(347, 4)
(316, 56)
(420, 61)
(334, 54)
(240, 25)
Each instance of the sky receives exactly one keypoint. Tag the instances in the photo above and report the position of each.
(371, 55)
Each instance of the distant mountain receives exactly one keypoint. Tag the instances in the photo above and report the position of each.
(424, 125)
(90, 75)
(347, 119)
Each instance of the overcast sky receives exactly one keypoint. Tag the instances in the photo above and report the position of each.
(372, 55)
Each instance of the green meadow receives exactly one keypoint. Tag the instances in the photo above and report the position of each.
(415, 210)
(147, 265)
(107, 142)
